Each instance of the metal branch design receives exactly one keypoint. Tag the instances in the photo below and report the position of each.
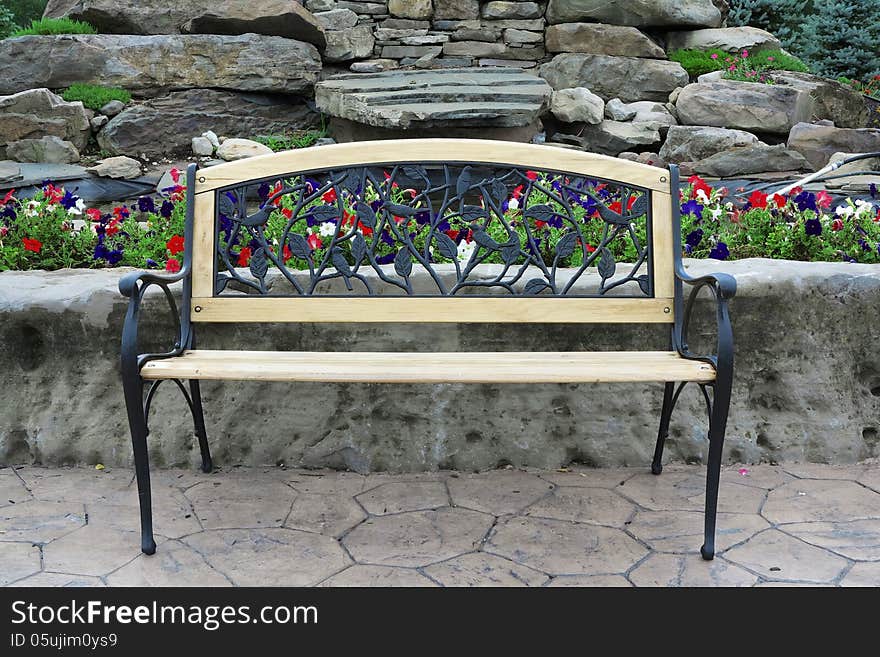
(393, 220)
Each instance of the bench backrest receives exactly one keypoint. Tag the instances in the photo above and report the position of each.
(421, 230)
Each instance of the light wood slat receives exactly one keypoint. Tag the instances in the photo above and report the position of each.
(662, 238)
(462, 367)
(203, 245)
(552, 310)
(433, 150)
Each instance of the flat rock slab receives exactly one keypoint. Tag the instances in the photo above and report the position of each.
(480, 569)
(452, 97)
(684, 570)
(777, 556)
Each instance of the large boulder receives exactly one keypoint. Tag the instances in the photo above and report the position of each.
(818, 143)
(832, 100)
(614, 137)
(49, 149)
(283, 18)
(751, 106)
(38, 113)
(627, 78)
(728, 39)
(450, 97)
(752, 158)
(151, 64)
(166, 125)
(510, 10)
(350, 43)
(578, 105)
(601, 39)
(648, 13)
(416, 9)
(685, 143)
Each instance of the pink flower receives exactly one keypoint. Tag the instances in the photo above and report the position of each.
(771, 59)
(743, 471)
(732, 67)
(823, 199)
(745, 53)
(714, 55)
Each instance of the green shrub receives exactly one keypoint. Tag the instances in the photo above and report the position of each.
(93, 96)
(26, 11)
(699, 62)
(55, 26)
(7, 23)
(302, 139)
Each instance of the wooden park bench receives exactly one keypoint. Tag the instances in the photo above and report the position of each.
(431, 230)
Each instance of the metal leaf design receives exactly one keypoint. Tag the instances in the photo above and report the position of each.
(498, 189)
(259, 218)
(403, 263)
(535, 286)
(481, 237)
(339, 261)
(464, 181)
(510, 251)
(226, 207)
(645, 283)
(322, 213)
(446, 246)
(606, 266)
(540, 213)
(259, 266)
(358, 248)
(473, 213)
(640, 207)
(415, 172)
(400, 210)
(566, 244)
(298, 246)
(365, 215)
(612, 217)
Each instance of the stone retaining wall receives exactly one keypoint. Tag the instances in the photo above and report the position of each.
(807, 386)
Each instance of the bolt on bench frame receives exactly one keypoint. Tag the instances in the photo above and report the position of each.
(447, 175)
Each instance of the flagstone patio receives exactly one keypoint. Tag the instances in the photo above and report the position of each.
(778, 525)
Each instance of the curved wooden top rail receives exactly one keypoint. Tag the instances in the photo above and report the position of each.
(424, 151)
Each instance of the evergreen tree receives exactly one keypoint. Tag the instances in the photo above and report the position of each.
(842, 38)
(779, 17)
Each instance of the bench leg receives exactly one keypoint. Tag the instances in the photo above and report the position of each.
(199, 422)
(133, 387)
(668, 404)
(717, 429)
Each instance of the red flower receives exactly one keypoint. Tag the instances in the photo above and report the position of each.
(32, 245)
(348, 218)
(796, 191)
(366, 230)
(780, 201)
(94, 214)
(244, 257)
(698, 184)
(540, 224)
(453, 234)
(277, 187)
(758, 199)
(531, 175)
(112, 228)
(517, 191)
(175, 176)
(120, 213)
(286, 253)
(53, 194)
(287, 212)
(175, 245)
(823, 199)
(173, 265)
(8, 197)
(314, 241)
(837, 225)
(329, 196)
(590, 248)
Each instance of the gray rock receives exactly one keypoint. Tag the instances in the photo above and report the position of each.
(412, 52)
(693, 143)
(870, 164)
(818, 143)
(673, 97)
(9, 171)
(37, 113)
(152, 63)
(117, 167)
(522, 36)
(534, 24)
(49, 149)
(521, 64)
(405, 24)
(121, 17)
(98, 121)
(627, 78)
(648, 13)
(240, 149)
(374, 66)
(474, 49)
(426, 40)
(651, 159)
(415, 9)
(320, 5)
(506, 10)
(752, 158)
(212, 137)
(112, 108)
(346, 45)
(202, 146)
(385, 34)
(601, 39)
(337, 19)
(743, 105)
(163, 126)
(281, 18)
(728, 39)
(325, 141)
(613, 137)
(366, 8)
(617, 110)
(577, 105)
(456, 9)
(832, 100)
(455, 97)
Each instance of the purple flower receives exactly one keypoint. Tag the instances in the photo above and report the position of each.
(114, 256)
(865, 246)
(873, 190)
(101, 251)
(68, 200)
(694, 238)
(813, 227)
(145, 204)
(152, 264)
(720, 251)
(167, 209)
(263, 191)
(386, 259)
(694, 208)
(806, 201)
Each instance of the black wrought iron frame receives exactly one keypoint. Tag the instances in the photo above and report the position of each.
(135, 285)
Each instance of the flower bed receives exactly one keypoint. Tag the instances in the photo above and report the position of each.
(745, 66)
(56, 230)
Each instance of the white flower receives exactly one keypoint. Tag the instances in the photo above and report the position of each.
(702, 196)
(327, 229)
(717, 212)
(50, 208)
(78, 208)
(465, 250)
(844, 211)
(32, 209)
(513, 204)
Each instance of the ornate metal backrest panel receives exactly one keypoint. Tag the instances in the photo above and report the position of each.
(428, 228)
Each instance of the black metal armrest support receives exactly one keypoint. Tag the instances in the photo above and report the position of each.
(723, 288)
(134, 286)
